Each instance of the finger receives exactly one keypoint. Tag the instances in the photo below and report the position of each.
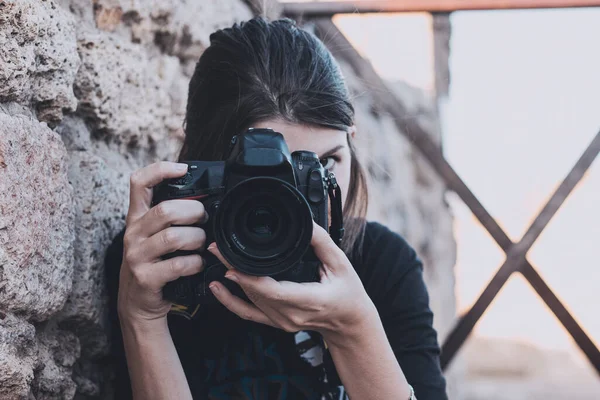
(172, 212)
(215, 251)
(255, 287)
(176, 267)
(238, 306)
(143, 180)
(326, 249)
(169, 240)
(268, 293)
(259, 288)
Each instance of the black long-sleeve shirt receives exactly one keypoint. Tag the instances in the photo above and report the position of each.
(226, 357)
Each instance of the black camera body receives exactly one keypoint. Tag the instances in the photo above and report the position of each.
(261, 203)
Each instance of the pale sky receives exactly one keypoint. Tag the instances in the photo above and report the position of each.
(524, 104)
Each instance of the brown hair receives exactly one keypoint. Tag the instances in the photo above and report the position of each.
(263, 69)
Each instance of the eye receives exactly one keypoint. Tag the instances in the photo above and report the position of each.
(329, 162)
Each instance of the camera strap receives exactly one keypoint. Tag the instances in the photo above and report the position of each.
(336, 230)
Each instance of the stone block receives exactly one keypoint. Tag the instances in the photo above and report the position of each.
(37, 221)
(18, 356)
(38, 55)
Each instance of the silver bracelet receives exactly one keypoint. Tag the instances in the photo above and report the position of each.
(412, 393)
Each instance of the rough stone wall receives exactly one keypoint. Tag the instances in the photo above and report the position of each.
(91, 90)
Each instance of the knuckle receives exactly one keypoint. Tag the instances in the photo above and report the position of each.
(253, 296)
(141, 278)
(296, 320)
(128, 239)
(176, 265)
(162, 210)
(169, 237)
(289, 327)
(320, 302)
(319, 307)
(135, 177)
(247, 316)
(129, 257)
(277, 295)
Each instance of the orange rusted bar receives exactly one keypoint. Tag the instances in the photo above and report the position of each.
(329, 8)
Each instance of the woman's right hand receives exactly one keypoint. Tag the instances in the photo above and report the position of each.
(149, 234)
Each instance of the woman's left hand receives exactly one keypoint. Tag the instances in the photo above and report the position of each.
(338, 305)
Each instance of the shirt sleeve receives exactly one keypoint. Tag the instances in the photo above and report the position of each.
(393, 277)
(117, 359)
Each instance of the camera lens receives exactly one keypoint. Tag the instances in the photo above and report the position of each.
(262, 222)
(263, 226)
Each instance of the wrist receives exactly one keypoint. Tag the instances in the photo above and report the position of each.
(142, 326)
(355, 348)
(364, 324)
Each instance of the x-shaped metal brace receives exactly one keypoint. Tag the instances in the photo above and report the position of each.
(516, 253)
(516, 260)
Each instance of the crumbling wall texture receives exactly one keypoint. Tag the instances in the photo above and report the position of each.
(91, 90)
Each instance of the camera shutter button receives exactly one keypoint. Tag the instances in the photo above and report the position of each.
(184, 180)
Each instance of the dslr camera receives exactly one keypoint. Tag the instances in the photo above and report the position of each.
(261, 201)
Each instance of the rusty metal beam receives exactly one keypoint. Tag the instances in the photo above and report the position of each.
(467, 322)
(561, 193)
(341, 48)
(516, 261)
(330, 8)
(516, 253)
(588, 347)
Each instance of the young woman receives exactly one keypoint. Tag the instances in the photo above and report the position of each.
(371, 307)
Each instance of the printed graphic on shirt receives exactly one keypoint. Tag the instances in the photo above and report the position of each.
(257, 370)
(311, 351)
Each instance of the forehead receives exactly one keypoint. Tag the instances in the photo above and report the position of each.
(305, 137)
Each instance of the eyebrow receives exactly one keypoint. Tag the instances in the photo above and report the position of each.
(332, 151)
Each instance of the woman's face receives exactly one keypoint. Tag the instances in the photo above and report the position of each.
(331, 146)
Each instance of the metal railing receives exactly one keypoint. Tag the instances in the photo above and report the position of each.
(516, 253)
(317, 9)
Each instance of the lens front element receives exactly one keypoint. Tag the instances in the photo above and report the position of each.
(263, 226)
(262, 222)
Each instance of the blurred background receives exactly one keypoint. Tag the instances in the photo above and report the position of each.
(446, 92)
(520, 108)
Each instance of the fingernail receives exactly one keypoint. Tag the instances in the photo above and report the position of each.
(181, 167)
(231, 276)
(214, 287)
(211, 246)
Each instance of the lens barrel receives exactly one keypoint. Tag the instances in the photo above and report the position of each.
(263, 226)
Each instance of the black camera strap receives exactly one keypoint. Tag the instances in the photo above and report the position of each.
(336, 230)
